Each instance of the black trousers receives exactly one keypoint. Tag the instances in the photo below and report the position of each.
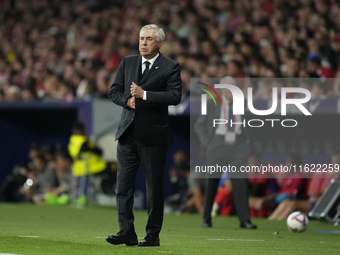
(130, 154)
(236, 155)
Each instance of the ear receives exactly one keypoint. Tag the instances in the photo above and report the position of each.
(160, 43)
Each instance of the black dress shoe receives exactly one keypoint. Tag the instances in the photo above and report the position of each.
(206, 225)
(248, 225)
(129, 239)
(149, 240)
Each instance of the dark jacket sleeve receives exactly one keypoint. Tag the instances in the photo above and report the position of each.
(173, 93)
(202, 130)
(116, 93)
(204, 124)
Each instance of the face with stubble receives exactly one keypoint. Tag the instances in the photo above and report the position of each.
(148, 44)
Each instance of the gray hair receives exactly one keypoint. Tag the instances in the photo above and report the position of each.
(159, 31)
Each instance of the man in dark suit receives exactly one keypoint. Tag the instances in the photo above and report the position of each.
(145, 85)
(225, 145)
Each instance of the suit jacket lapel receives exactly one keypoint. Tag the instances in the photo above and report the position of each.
(137, 67)
(153, 69)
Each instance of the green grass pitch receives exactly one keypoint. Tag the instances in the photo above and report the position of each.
(44, 230)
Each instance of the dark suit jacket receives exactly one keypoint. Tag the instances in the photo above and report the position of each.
(204, 125)
(163, 86)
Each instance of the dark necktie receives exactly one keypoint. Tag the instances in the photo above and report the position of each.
(230, 118)
(147, 65)
(230, 136)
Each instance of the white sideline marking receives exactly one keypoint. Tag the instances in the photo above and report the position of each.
(165, 251)
(329, 242)
(245, 240)
(7, 254)
(29, 236)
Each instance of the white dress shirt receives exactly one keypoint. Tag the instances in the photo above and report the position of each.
(151, 61)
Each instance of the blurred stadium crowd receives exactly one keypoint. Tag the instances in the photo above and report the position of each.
(69, 50)
(61, 174)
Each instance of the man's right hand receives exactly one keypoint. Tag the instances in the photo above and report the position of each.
(131, 102)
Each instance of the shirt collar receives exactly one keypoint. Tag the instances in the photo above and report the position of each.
(151, 61)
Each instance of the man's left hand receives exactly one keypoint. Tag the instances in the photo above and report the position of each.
(136, 91)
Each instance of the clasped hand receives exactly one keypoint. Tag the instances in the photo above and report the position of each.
(136, 92)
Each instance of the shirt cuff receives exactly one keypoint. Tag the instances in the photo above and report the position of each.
(144, 96)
